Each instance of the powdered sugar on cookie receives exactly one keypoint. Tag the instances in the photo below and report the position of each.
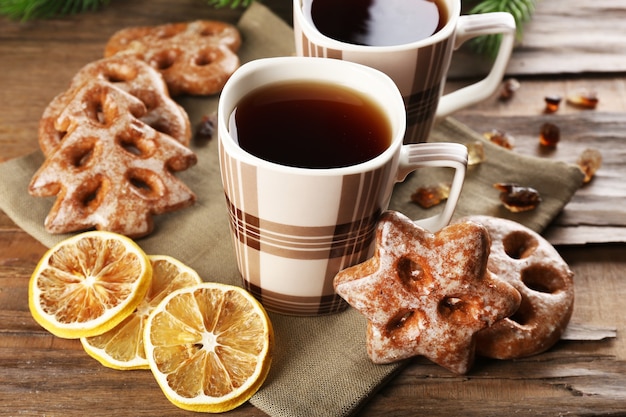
(427, 294)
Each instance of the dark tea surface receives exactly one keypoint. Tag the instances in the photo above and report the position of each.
(378, 22)
(310, 125)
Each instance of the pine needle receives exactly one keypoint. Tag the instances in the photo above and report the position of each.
(232, 3)
(39, 9)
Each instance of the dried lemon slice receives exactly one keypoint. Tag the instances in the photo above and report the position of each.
(122, 347)
(87, 284)
(209, 346)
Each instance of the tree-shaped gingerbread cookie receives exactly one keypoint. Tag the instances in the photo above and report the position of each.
(111, 171)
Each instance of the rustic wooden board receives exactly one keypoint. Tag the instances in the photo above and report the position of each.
(563, 37)
(44, 375)
(549, 385)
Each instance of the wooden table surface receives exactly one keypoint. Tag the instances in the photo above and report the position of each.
(44, 375)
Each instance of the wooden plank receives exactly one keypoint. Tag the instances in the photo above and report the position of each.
(44, 375)
(549, 384)
(563, 37)
(577, 331)
(557, 234)
(60, 383)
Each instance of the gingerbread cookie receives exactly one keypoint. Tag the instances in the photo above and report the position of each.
(195, 58)
(426, 294)
(111, 171)
(132, 76)
(532, 265)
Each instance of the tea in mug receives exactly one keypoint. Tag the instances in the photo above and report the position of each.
(310, 125)
(378, 22)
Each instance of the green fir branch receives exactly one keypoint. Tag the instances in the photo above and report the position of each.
(232, 3)
(40, 9)
(521, 10)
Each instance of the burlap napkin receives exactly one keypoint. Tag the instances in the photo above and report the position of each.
(320, 365)
(556, 181)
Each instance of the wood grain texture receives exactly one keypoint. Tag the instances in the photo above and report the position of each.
(597, 213)
(563, 37)
(602, 202)
(44, 375)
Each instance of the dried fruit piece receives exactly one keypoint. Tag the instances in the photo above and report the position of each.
(432, 195)
(517, 198)
(88, 283)
(122, 346)
(500, 138)
(209, 346)
(552, 103)
(589, 162)
(586, 99)
(206, 128)
(509, 87)
(549, 135)
(475, 153)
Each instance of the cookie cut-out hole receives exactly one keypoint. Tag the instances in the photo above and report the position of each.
(56, 138)
(409, 272)
(55, 141)
(164, 60)
(91, 192)
(132, 143)
(82, 159)
(205, 58)
(519, 245)
(524, 314)
(60, 136)
(96, 110)
(163, 126)
(80, 155)
(146, 183)
(131, 148)
(120, 73)
(542, 278)
(451, 306)
(208, 32)
(399, 320)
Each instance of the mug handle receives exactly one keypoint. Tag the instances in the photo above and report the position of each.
(450, 155)
(471, 26)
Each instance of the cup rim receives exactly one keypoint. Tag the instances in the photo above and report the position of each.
(224, 111)
(314, 34)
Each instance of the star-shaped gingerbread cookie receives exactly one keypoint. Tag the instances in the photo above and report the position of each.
(426, 294)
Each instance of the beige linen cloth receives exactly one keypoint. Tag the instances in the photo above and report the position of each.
(320, 365)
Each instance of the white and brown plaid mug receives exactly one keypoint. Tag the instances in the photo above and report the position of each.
(294, 228)
(418, 68)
